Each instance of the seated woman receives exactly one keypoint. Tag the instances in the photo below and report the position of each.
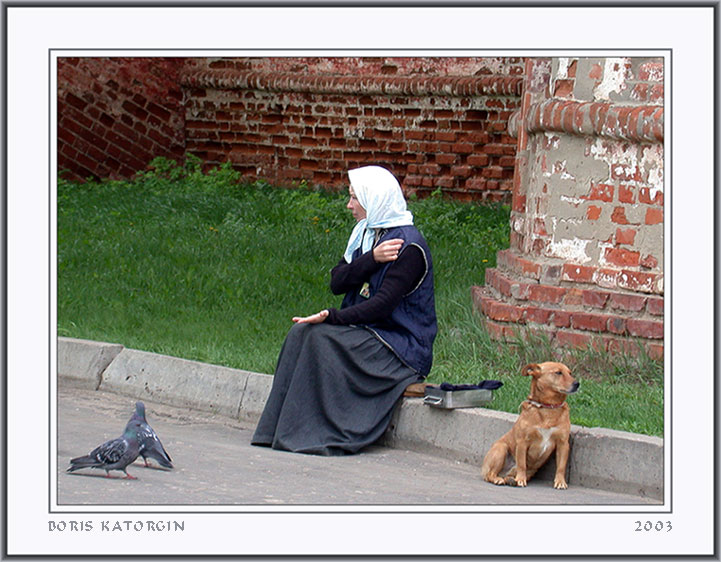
(341, 371)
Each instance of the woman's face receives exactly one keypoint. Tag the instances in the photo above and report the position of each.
(359, 213)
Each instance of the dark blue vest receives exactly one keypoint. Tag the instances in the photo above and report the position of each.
(412, 327)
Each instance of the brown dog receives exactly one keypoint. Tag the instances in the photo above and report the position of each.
(543, 425)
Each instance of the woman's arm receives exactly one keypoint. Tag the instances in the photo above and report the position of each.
(346, 276)
(400, 279)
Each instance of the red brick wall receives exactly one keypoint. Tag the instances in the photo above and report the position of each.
(116, 114)
(437, 123)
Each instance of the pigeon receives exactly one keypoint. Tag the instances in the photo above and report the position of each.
(150, 445)
(115, 454)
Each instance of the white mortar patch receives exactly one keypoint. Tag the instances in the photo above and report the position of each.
(563, 65)
(552, 141)
(602, 258)
(569, 249)
(614, 78)
(614, 152)
(652, 160)
(518, 224)
(575, 201)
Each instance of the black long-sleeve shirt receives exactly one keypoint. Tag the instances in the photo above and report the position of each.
(402, 277)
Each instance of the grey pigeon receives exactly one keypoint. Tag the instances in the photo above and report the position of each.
(150, 445)
(115, 454)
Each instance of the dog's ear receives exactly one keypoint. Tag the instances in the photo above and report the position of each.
(532, 370)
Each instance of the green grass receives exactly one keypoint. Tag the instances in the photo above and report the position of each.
(203, 267)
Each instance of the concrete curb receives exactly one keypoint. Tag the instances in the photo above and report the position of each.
(600, 458)
(82, 362)
(179, 382)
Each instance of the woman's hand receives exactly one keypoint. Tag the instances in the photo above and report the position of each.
(388, 250)
(313, 319)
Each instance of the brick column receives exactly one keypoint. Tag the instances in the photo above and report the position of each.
(585, 263)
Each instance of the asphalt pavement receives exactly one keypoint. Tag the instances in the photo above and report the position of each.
(215, 465)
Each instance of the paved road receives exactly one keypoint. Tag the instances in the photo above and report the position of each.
(217, 466)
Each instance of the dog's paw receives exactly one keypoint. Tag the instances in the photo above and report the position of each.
(497, 480)
(520, 482)
(560, 484)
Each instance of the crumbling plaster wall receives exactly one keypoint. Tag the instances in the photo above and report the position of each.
(604, 210)
(587, 223)
(607, 207)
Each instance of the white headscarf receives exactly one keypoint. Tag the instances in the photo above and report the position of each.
(380, 194)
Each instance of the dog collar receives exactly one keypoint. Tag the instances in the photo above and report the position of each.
(542, 405)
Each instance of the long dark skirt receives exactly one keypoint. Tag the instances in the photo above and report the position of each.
(334, 391)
